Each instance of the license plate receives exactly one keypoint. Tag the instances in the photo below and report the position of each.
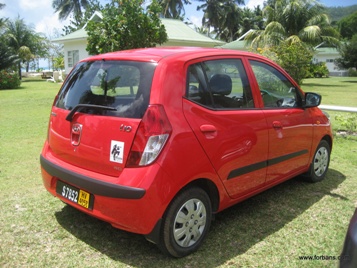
(75, 195)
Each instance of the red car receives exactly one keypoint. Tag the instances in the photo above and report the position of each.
(156, 141)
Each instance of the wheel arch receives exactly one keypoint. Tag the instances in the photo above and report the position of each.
(328, 139)
(207, 185)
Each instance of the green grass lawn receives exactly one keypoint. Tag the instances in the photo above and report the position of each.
(340, 91)
(269, 230)
(334, 90)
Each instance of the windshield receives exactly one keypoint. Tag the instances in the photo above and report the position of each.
(121, 85)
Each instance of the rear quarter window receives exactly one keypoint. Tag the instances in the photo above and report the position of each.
(123, 85)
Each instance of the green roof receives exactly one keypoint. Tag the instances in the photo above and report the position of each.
(326, 50)
(237, 45)
(177, 31)
(77, 35)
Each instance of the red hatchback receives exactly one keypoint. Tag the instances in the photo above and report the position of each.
(156, 141)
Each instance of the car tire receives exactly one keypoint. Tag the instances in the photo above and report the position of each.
(320, 163)
(186, 223)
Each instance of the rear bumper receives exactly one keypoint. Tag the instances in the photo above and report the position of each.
(129, 208)
(94, 186)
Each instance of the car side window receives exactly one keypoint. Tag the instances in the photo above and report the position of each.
(219, 84)
(276, 89)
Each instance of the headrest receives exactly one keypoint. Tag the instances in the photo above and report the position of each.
(221, 84)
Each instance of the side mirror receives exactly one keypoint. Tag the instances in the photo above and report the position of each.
(312, 100)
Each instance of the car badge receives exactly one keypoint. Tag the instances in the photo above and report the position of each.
(76, 134)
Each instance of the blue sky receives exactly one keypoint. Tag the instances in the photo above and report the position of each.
(40, 14)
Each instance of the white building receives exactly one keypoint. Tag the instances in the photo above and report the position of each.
(322, 54)
(179, 34)
(329, 55)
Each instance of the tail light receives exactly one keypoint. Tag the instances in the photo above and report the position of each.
(152, 134)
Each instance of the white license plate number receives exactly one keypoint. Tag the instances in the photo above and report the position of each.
(75, 195)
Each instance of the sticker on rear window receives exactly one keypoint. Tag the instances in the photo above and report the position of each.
(117, 151)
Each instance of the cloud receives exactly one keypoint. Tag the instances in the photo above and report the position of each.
(253, 3)
(35, 4)
(49, 23)
(38, 14)
(196, 21)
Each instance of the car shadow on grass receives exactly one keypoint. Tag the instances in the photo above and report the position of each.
(320, 85)
(350, 81)
(233, 232)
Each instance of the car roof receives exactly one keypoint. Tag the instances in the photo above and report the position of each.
(156, 54)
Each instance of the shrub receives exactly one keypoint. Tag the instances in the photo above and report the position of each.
(348, 122)
(9, 80)
(317, 70)
(294, 58)
(352, 72)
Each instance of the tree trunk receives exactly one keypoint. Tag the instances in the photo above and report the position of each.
(19, 69)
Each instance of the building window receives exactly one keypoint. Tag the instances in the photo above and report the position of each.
(329, 60)
(73, 57)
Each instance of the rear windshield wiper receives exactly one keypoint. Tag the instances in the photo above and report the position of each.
(90, 106)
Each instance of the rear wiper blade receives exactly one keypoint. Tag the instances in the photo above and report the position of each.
(90, 106)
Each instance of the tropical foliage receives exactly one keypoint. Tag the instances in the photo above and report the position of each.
(126, 25)
(24, 42)
(68, 7)
(223, 16)
(348, 53)
(7, 58)
(2, 20)
(295, 58)
(339, 12)
(174, 9)
(294, 21)
(317, 70)
(348, 26)
(79, 20)
(58, 63)
(251, 20)
(9, 80)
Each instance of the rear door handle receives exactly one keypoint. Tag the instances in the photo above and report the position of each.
(209, 131)
(277, 125)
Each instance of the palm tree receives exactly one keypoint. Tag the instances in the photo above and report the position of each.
(173, 8)
(212, 13)
(23, 41)
(67, 7)
(7, 58)
(215, 14)
(294, 21)
(251, 20)
(2, 20)
(230, 22)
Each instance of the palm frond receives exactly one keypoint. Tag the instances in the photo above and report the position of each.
(275, 27)
(310, 33)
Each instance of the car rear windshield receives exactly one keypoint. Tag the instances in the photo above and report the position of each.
(122, 86)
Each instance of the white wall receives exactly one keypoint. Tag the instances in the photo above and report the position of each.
(328, 59)
(79, 45)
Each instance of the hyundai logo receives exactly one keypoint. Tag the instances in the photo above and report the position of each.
(76, 134)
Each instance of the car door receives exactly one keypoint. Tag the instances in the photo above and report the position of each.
(290, 125)
(219, 106)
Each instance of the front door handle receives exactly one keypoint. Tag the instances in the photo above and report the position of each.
(209, 131)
